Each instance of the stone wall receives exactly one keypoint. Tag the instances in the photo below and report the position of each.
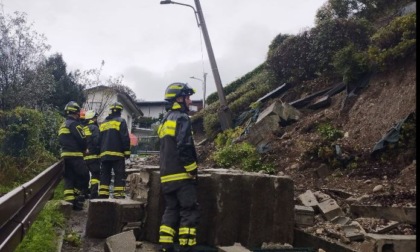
(248, 208)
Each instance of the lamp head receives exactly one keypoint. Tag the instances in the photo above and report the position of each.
(166, 2)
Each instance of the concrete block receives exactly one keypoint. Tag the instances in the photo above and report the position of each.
(100, 225)
(388, 227)
(320, 196)
(304, 216)
(330, 209)
(308, 199)
(263, 128)
(385, 243)
(121, 242)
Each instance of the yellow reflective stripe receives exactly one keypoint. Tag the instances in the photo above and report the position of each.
(112, 153)
(69, 197)
(187, 231)
(119, 188)
(173, 177)
(176, 86)
(87, 131)
(94, 181)
(71, 154)
(90, 157)
(187, 241)
(106, 187)
(127, 153)
(119, 194)
(168, 128)
(169, 95)
(69, 191)
(176, 105)
(191, 167)
(63, 131)
(106, 193)
(110, 125)
(167, 229)
(166, 239)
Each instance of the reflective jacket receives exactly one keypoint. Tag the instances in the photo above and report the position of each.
(71, 138)
(114, 138)
(92, 140)
(178, 158)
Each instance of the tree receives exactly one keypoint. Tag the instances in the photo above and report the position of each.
(24, 80)
(65, 86)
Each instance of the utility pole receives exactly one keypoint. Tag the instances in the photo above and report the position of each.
(224, 113)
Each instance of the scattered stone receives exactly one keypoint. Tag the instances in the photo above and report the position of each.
(378, 188)
(121, 242)
(368, 181)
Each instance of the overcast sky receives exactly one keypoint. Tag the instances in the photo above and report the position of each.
(153, 45)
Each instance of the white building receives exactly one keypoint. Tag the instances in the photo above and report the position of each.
(101, 97)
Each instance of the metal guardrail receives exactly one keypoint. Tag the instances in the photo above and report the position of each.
(20, 207)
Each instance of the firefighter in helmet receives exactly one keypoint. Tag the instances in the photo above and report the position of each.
(114, 149)
(178, 171)
(73, 144)
(91, 157)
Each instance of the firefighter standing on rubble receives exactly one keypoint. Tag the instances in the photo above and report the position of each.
(73, 144)
(91, 157)
(178, 171)
(115, 148)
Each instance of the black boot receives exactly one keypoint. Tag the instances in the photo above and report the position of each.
(77, 205)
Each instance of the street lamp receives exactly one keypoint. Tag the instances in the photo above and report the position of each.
(204, 87)
(225, 115)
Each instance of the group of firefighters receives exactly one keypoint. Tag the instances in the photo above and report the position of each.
(98, 149)
(102, 149)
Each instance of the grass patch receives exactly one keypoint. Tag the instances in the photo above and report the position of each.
(42, 235)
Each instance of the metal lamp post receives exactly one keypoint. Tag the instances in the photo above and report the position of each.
(204, 87)
(225, 115)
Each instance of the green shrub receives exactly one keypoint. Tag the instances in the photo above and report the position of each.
(25, 135)
(328, 132)
(393, 42)
(350, 63)
(241, 155)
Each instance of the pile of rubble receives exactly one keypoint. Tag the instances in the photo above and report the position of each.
(357, 226)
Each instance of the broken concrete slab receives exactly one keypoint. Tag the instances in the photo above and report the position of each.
(121, 242)
(400, 214)
(384, 243)
(386, 228)
(263, 129)
(308, 199)
(303, 239)
(341, 220)
(275, 93)
(320, 196)
(353, 232)
(304, 216)
(322, 102)
(330, 209)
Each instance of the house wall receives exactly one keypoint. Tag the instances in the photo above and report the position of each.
(101, 99)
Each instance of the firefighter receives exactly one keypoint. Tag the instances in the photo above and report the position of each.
(115, 148)
(91, 157)
(178, 171)
(73, 143)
